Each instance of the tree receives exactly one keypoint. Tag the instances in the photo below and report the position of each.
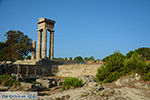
(85, 58)
(91, 58)
(18, 45)
(130, 53)
(78, 59)
(144, 52)
(107, 57)
(60, 58)
(70, 58)
(66, 58)
(2, 51)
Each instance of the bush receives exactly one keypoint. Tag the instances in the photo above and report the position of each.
(144, 52)
(113, 68)
(106, 58)
(130, 53)
(135, 63)
(78, 59)
(8, 80)
(105, 75)
(118, 65)
(71, 82)
(146, 74)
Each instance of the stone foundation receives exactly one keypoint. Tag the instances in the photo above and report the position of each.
(51, 68)
(75, 70)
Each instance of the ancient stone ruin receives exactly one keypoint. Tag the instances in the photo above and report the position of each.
(38, 65)
(44, 25)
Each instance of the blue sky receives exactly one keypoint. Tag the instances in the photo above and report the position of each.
(83, 27)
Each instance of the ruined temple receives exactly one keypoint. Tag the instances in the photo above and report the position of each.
(44, 26)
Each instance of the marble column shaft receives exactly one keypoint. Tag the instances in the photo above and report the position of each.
(51, 49)
(39, 45)
(33, 57)
(44, 43)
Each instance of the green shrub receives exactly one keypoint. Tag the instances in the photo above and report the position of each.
(71, 82)
(146, 74)
(8, 80)
(113, 68)
(130, 53)
(78, 59)
(106, 58)
(118, 65)
(144, 52)
(135, 63)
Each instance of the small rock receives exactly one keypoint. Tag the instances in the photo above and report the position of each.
(92, 84)
(137, 76)
(140, 85)
(100, 88)
(59, 83)
(3, 88)
(48, 83)
(108, 92)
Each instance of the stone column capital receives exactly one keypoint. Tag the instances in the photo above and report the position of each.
(33, 42)
(45, 28)
(39, 30)
(52, 31)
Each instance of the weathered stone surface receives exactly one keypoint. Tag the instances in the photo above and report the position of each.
(51, 49)
(44, 43)
(59, 83)
(88, 81)
(26, 85)
(39, 40)
(132, 81)
(48, 83)
(127, 91)
(33, 56)
(142, 85)
(45, 25)
(137, 76)
(76, 70)
(131, 93)
(125, 81)
(107, 92)
(45, 83)
(3, 88)
(25, 62)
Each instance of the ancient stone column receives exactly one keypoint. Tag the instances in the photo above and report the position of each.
(39, 45)
(51, 49)
(33, 56)
(44, 43)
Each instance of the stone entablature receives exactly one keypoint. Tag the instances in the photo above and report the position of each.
(45, 23)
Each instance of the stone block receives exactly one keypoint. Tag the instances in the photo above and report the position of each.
(26, 85)
(48, 83)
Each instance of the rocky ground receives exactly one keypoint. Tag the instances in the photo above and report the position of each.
(127, 88)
